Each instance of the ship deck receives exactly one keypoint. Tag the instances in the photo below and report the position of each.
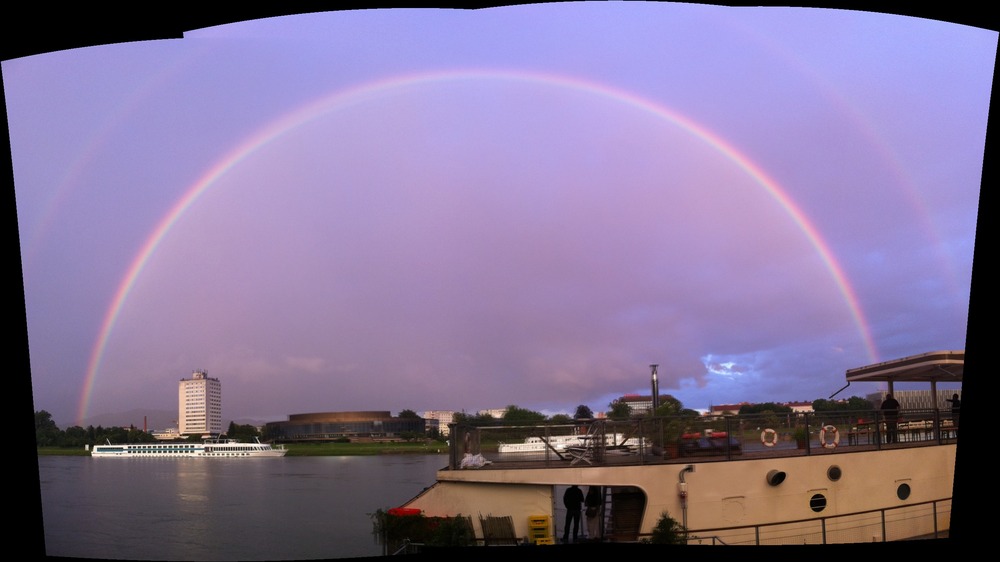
(476, 447)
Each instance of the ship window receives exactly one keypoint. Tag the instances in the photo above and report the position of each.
(817, 503)
(833, 473)
(903, 491)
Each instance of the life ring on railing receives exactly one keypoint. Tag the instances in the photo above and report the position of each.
(822, 436)
(772, 433)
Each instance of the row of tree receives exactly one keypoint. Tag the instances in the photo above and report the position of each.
(852, 404)
(618, 409)
(47, 434)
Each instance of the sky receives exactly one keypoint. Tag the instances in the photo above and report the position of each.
(434, 209)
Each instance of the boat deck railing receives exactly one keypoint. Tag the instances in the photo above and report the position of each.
(649, 439)
(880, 525)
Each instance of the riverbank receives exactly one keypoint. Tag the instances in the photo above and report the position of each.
(313, 449)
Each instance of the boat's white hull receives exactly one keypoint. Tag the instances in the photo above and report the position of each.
(722, 496)
(189, 455)
(188, 450)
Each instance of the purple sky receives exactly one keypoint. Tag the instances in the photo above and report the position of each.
(440, 209)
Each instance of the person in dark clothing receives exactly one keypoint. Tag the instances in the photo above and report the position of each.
(573, 500)
(593, 504)
(956, 405)
(890, 410)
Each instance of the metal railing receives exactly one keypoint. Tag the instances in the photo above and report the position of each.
(648, 439)
(927, 519)
(924, 520)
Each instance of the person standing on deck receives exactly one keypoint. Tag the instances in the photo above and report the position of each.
(573, 500)
(890, 409)
(593, 503)
(956, 405)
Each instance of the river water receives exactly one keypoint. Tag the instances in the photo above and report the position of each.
(291, 508)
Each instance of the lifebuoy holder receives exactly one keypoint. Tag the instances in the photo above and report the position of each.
(822, 436)
(764, 437)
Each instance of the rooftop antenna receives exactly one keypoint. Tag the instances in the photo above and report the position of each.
(656, 389)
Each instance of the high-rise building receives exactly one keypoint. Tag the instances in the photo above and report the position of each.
(200, 403)
(439, 420)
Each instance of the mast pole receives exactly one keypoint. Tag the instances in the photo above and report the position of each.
(656, 389)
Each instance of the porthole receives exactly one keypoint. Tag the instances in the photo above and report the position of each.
(817, 503)
(903, 491)
(833, 473)
(775, 477)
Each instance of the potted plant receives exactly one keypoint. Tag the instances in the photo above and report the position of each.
(665, 435)
(668, 531)
(671, 438)
(801, 436)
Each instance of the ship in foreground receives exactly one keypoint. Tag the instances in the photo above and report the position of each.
(209, 448)
(803, 478)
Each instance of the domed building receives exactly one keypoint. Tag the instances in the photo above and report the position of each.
(356, 426)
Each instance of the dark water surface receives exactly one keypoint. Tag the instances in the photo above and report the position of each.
(290, 508)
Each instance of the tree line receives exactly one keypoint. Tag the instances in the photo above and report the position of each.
(618, 409)
(47, 434)
(852, 404)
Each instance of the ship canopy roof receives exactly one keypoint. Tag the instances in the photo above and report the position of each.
(933, 367)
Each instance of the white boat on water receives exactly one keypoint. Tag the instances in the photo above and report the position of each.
(853, 481)
(541, 444)
(210, 448)
(564, 443)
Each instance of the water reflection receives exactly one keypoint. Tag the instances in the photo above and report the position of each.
(224, 509)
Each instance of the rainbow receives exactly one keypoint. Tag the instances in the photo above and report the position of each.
(343, 99)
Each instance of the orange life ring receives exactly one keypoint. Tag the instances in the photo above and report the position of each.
(765, 433)
(822, 436)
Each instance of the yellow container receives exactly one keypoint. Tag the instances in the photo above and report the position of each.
(535, 521)
(546, 540)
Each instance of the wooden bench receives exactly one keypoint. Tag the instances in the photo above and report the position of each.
(855, 436)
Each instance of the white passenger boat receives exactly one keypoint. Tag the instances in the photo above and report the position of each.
(563, 443)
(214, 448)
(755, 487)
(541, 444)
